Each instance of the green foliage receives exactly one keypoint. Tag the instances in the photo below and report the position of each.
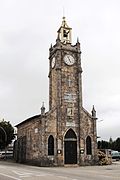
(110, 140)
(117, 144)
(6, 134)
(114, 145)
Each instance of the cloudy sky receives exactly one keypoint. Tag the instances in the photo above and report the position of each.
(28, 27)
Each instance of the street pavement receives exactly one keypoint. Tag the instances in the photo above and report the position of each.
(13, 171)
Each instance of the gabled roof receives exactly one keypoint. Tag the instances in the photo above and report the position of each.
(86, 112)
(28, 120)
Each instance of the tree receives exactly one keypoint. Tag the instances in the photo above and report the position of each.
(102, 144)
(114, 145)
(6, 134)
(117, 144)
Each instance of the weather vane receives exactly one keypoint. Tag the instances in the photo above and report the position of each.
(63, 11)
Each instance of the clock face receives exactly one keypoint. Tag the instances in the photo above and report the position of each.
(69, 60)
(53, 62)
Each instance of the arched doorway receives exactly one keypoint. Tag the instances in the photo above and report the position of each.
(70, 147)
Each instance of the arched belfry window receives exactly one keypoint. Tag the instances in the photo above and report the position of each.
(88, 146)
(50, 145)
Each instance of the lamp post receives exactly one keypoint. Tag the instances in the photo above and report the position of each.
(5, 138)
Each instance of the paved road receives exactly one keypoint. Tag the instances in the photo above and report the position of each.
(13, 171)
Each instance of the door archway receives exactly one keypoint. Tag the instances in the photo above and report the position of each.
(70, 147)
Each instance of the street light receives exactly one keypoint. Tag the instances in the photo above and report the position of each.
(5, 139)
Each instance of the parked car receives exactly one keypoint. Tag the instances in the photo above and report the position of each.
(115, 155)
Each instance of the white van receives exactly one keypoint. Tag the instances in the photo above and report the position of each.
(8, 155)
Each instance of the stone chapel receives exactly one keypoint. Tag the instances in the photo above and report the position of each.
(66, 134)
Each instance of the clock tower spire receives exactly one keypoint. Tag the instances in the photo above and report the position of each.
(65, 70)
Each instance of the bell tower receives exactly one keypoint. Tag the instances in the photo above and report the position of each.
(65, 83)
(64, 32)
(65, 87)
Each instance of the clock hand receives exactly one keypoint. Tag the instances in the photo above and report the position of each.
(69, 59)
